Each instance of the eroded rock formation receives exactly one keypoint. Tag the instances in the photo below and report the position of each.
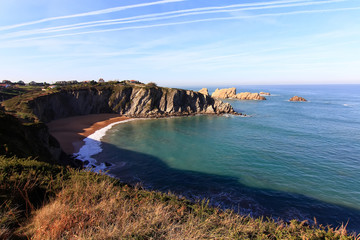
(297, 99)
(249, 96)
(265, 93)
(231, 93)
(224, 93)
(204, 91)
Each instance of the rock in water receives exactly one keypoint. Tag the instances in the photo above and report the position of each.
(297, 99)
(204, 91)
(265, 93)
(231, 93)
(249, 96)
(224, 93)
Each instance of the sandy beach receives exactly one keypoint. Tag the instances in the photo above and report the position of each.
(71, 131)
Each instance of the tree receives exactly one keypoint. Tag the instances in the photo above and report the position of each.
(6, 82)
(93, 82)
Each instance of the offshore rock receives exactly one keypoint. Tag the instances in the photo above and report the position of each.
(297, 99)
(265, 93)
(224, 93)
(204, 91)
(249, 96)
(231, 93)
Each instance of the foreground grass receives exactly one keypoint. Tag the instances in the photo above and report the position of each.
(84, 205)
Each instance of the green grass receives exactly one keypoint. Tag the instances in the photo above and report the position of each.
(45, 201)
(25, 185)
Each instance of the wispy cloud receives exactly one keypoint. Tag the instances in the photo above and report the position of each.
(92, 13)
(196, 21)
(173, 14)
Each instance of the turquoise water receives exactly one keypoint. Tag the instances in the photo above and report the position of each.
(287, 160)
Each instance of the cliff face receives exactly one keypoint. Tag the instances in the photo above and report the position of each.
(29, 140)
(131, 101)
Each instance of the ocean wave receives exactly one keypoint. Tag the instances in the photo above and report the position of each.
(92, 146)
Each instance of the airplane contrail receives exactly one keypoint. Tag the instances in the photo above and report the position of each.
(184, 11)
(97, 12)
(160, 16)
(194, 21)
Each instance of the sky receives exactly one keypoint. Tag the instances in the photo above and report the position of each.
(181, 42)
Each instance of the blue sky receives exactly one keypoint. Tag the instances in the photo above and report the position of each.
(181, 42)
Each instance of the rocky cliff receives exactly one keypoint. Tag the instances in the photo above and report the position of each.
(132, 101)
(29, 140)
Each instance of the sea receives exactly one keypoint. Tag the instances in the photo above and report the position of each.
(284, 160)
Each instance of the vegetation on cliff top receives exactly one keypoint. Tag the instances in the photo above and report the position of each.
(19, 104)
(45, 201)
(130, 99)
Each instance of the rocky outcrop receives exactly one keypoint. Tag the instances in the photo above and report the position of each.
(297, 99)
(29, 140)
(249, 96)
(132, 101)
(231, 93)
(265, 93)
(204, 91)
(224, 93)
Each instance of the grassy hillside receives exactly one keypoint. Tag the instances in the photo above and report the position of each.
(7, 93)
(44, 201)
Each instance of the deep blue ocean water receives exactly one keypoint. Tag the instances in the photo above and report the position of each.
(287, 160)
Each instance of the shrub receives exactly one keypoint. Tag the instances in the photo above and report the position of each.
(151, 84)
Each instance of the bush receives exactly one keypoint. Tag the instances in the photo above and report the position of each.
(151, 84)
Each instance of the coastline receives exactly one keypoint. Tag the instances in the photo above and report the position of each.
(72, 132)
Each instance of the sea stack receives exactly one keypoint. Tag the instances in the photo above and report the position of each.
(204, 91)
(231, 93)
(224, 93)
(249, 96)
(297, 99)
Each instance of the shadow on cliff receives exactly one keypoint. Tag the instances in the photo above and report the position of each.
(227, 192)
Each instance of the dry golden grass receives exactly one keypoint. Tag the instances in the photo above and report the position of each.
(92, 206)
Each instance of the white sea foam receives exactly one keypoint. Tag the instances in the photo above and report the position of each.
(92, 147)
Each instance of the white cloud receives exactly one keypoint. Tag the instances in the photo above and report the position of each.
(235, 10)
(92, 13)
